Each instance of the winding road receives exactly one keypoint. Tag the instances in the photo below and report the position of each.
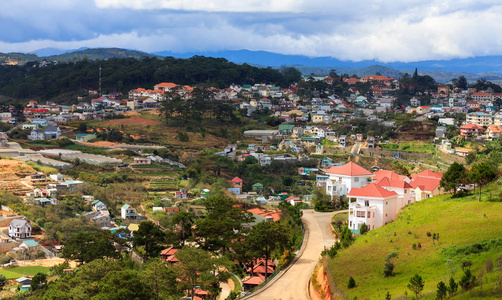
(293, 283)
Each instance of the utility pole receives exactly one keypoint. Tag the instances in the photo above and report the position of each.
(100, 80)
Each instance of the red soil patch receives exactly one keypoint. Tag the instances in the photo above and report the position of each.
(132, 121)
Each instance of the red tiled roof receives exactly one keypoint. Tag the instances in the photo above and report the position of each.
(349, 169)
(495, 128)
(471, 126)
(371, 190)
(255, 280)
(386, 182)
(166, 84)
(428, 173)
(236, 179)
(168, 251)
(389, 174)
(427, 184)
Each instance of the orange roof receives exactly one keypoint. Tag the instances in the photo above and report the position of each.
(495, 128)
(371, 190)
(386, 182)
(255, 280)
(256, 211)
(427, 184)
(166, 84)
(389, 174)
(349, 169)
(275, 215)
(471, 126)
(236, 179)
(375, 77)
(168, 251)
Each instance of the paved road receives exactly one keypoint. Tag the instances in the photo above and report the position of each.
(355, 149)
(293, 283)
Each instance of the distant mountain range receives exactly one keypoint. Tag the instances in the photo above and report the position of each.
(487, 67)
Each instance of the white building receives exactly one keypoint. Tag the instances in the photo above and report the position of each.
(343, 179)
(20, 229)
(405, 192)
(373, 206)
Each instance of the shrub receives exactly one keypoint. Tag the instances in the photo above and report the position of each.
(352, 283)
(388, 269)
(363, 229)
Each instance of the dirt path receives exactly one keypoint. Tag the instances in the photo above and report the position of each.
(293, 284)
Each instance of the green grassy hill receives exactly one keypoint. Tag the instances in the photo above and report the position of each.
(468, 229)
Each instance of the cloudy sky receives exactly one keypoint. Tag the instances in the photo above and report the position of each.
(385, 30)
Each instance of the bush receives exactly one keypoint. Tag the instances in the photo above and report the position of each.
(388, 269)
(182, 137)
(352, 283)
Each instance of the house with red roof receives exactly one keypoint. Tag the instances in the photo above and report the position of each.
(494, 131)
(165, 86)
(252, 282)
(405, 192)
(351, 81)
(236, 182)
(342, 179)
(426, 187)
(168, 255)
(471, 130)
(371, 205)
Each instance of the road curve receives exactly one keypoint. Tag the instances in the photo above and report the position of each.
(293, 283)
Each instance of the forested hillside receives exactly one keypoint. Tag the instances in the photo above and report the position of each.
(122, 74)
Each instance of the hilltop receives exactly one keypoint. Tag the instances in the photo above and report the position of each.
(469, 231)
(77, 55)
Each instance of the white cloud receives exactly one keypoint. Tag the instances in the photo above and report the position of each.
(345, 29)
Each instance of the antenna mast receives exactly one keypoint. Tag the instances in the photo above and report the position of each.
(100, 80)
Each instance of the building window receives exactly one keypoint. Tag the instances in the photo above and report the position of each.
(369, 214)
(386, 203)
(366, 203)
(356, 179)
(386, 215)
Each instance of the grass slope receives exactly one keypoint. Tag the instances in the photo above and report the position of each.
(14, 273)
(461, 222)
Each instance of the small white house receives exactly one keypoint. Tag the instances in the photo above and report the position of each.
(36, 135)
(128, 212)
(20, 229)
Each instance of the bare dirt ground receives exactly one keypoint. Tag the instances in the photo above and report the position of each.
(102, 144)
(45, 262)
(131, 121)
